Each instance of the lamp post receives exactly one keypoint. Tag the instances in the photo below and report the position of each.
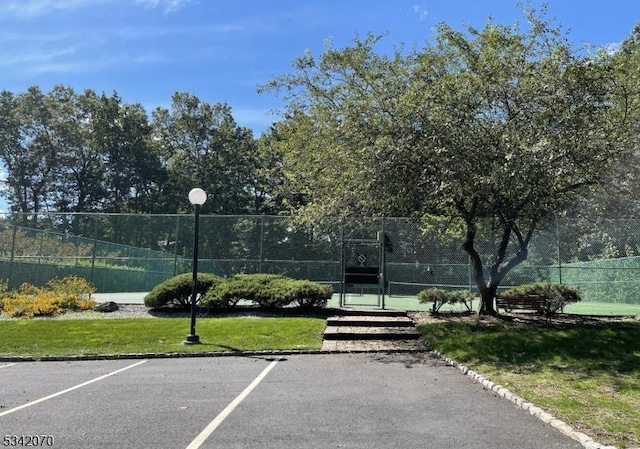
(197, 197)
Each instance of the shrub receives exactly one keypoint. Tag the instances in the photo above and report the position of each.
(556, 295)
(261, 289)
(4, 291)
(440, 297)
(310, 295)
(74, 293)
(176, 291)
(60, 295)
(225, 295)
(270, 291)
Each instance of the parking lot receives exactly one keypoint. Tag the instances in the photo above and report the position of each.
(296, 401)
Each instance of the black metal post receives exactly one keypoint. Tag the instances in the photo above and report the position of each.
(192, 338)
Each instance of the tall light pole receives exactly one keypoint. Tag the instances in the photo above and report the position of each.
(197, 197)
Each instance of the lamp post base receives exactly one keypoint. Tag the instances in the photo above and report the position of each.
(191, 340)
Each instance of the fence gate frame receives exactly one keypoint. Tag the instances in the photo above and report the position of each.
(361, 275)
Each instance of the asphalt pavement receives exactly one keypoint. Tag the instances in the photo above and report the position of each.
(371, 401)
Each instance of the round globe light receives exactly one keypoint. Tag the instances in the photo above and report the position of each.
(197, 196)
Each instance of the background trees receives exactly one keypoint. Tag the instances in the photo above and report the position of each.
(83, 152)
(202, 145)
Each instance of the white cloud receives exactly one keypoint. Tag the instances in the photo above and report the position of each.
(28, 9)
(34, 58)
(168, 6)
(421, 11)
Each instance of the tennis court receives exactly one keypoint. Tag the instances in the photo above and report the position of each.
(368, 401)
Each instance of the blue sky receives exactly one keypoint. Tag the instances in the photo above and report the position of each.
(221, 50)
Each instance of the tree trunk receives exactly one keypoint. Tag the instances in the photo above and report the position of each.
(486, 301)
(487, 289)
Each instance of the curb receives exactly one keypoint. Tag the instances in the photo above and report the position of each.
(585, 440)
(176, 355)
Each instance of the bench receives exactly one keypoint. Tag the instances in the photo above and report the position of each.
(362, 278)
(522, 303)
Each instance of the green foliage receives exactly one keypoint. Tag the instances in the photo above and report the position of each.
(63, 152)
(556, 295)
(177, 290)
(205, 146)
(440, 297)
(310, 295)
(268, 291)
(495, 130)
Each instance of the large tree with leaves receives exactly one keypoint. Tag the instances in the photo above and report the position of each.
(491, 131)
(29, 144)
(202, 146)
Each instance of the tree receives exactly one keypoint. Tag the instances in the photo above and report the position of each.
(202, 146)
(29, 148)
(134, 173)
(619, 198)
(491, 131)
(79, 184)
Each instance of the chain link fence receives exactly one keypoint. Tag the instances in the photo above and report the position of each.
(133, 253)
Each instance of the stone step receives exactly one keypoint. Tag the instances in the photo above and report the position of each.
(374, 345)
(347, 311)
(370, 333)
(385, 321)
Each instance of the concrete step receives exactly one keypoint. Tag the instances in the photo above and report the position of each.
(370, 333)
(377, 321)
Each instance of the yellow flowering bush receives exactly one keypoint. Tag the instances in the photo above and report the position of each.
(60, 295)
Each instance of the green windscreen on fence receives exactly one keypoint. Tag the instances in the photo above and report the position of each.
(133, 253)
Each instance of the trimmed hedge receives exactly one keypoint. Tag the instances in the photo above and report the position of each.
(440, 297)
(310, 295)
(270, 291)
(556, 295)
(176, 291)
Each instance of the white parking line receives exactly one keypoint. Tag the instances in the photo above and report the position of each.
(7, 365)
(51, 396)
(213, 425)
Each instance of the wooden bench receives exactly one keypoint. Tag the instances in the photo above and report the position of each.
(522, 303)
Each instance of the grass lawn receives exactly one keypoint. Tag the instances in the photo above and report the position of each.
(143, 335)
(587, 374)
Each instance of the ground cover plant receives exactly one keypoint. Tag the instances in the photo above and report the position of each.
(38, 338)
(584, 371)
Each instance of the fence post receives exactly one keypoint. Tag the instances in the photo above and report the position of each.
(261, 243)
(175, 249)
(13, 249)
(95, 244)
(558, 250)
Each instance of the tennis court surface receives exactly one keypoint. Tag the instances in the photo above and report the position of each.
(370, 401)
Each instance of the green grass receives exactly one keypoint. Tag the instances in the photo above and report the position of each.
(39, 338)
(585, 374)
